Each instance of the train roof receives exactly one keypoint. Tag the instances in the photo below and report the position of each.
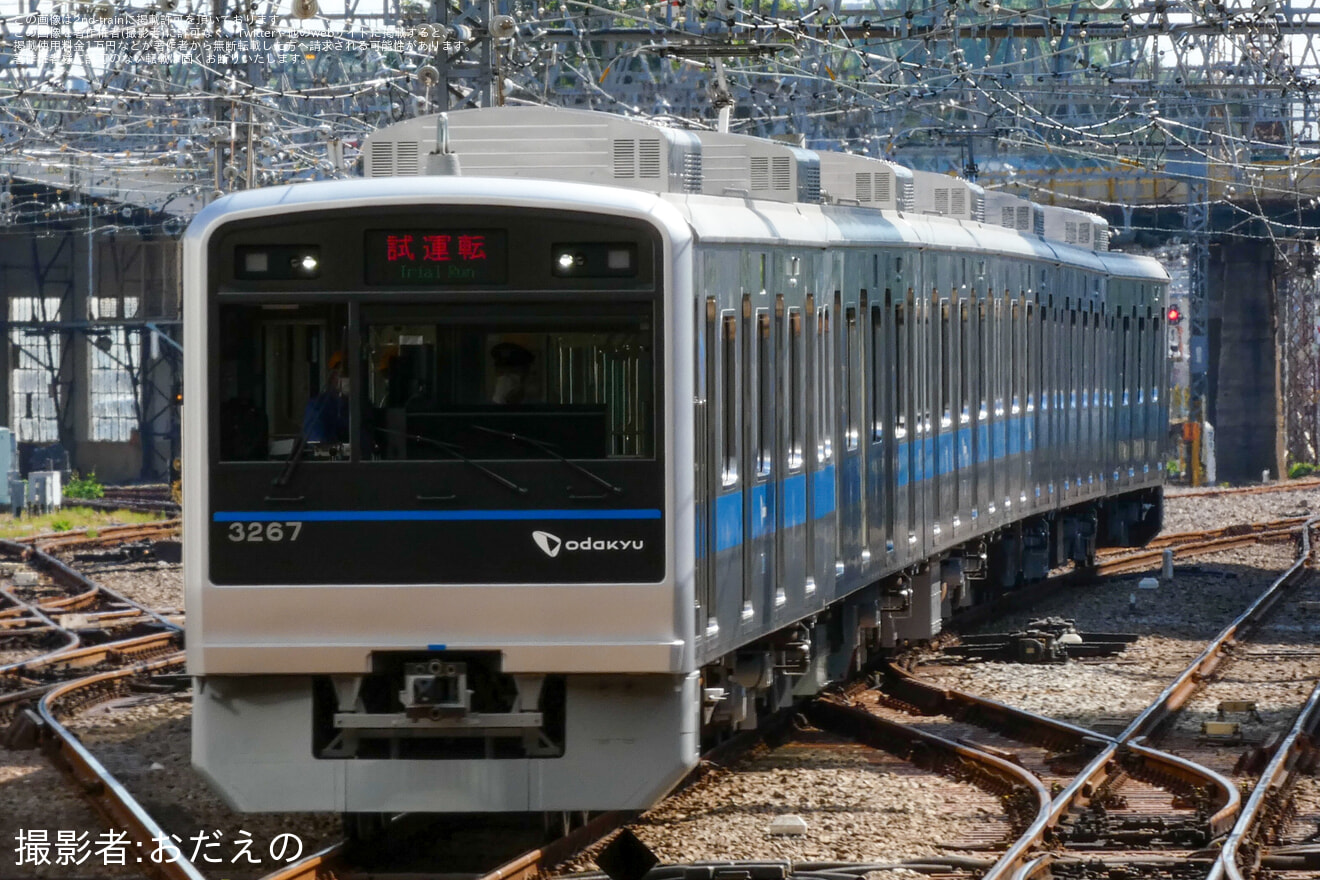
(711, 219)
(633, 153)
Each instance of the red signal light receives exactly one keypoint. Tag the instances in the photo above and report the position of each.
(1175, 315)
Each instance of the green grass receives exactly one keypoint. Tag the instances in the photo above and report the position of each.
(71, 518)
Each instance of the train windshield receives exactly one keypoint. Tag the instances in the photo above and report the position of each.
(508, 383)
(437, 382)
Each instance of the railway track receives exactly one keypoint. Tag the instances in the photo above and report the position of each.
(1131, 811)
(156, 853)
(1004, 749)
(38, 693)
(76, 539)
(140, 499)
(1054, 778)
(1262, 489)
(1186, 545)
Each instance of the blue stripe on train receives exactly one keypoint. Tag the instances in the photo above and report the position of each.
(795, 501)
(822, 492)
(728, 521)
(927, 458)
(427, 515)
(763, 509)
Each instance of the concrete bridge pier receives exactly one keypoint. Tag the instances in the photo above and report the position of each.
(1244, 402)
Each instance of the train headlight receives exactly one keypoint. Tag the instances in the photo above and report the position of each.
(296, 262)
(594, 259)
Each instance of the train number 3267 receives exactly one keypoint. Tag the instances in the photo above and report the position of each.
(256, 532)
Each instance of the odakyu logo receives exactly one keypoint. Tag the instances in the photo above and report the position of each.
(551, 545)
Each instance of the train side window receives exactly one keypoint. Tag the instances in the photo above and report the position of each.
(983, 362)
(899, 390)
(1124, 361)
(1042, 356)
(1015, 370)
(1087, 359)
(762, 270)
(1029, 352)
(729, 398)
(765, 373)
(795, 433)
(945, 392)
(877, 371)
(1075, 355)
(852, 379)
(1140, 371)
(1097, 358)
(825, 402)
(964, 366)
(1001, 358)
(1157, 361)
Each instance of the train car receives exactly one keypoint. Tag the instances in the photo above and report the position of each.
(563, 441)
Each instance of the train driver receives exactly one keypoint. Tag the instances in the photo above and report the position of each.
(513, 364)
(325, 418)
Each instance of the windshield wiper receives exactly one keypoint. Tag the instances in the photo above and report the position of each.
(290, 465)
(456, 452)
(549, 450)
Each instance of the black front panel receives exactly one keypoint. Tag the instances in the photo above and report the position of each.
(500, 425)
(325, 538)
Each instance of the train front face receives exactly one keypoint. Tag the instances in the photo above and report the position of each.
(429, 453)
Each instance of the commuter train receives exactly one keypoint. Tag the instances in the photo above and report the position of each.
(564, 442)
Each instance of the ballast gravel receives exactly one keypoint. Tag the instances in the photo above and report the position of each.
(854, 809)
(1171, 622)
(1186, 512)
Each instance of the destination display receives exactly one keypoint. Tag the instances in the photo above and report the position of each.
(421, 257)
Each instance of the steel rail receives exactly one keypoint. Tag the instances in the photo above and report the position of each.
(48, 541)
(881, 733)
(73, 639)
(1011, 863)
(1030, 727)
(1145, 559)
(145, 505)
(66, 576)
(1160, 542)
(140, 648)
(1298, 742)
(109, 532)
(105, 793)
(1277, 486)
(985, 712)
(324, 864)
